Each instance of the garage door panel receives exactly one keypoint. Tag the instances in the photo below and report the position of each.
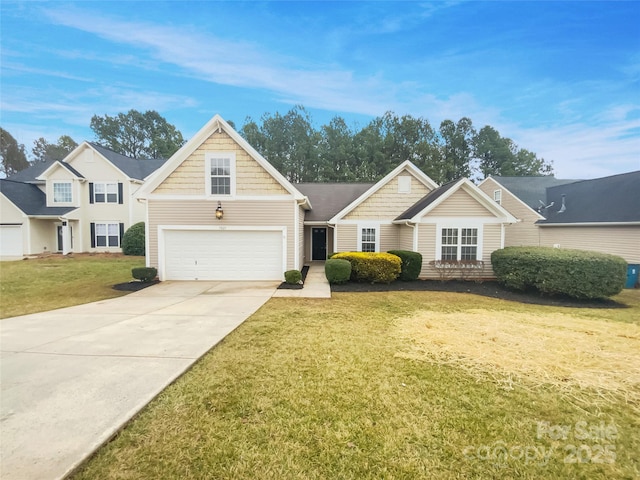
(223, 255)
(11, 240)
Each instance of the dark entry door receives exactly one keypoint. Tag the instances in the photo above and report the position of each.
(59, 238)
(318, 244)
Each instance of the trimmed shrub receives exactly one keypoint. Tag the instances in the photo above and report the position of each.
(293, 277)
(372, 267)
(337, 271)
(411, 264)
(144, 274)
(133, 240)
(576, 273)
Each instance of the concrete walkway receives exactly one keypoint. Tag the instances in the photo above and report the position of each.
(71, 378)
(315, 285)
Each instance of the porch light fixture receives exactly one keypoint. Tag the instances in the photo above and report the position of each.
(219, 211)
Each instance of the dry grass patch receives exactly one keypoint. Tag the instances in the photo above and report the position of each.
(563, 350)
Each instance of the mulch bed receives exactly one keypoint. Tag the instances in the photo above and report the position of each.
(487, 289)
(289, 286)
(134, 286)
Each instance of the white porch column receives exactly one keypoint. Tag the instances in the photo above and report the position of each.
(66, 237)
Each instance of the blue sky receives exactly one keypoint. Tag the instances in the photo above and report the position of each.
(560, 78)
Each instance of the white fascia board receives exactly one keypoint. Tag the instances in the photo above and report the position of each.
(419, 174)
(417, 218)
(217, 122)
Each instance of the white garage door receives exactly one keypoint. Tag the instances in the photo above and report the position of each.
(10, 240)
(223, 255)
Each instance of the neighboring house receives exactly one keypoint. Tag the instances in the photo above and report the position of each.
(526, 199)
(602, 214)
(218, 210)
(81, 204)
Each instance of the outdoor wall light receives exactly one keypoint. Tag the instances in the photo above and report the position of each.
(219, 211)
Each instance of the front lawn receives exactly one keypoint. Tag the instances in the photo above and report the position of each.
(37, 285)
(405, 385)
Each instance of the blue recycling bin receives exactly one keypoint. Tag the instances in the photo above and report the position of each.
(632, 276)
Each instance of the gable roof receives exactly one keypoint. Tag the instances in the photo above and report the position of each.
(135, 168)
(329, 198)
(427, 200)
(32, 172)
(216, 123)
(61, 164)
(613, 199)
(439, 195)
(531, 190)
(30, 199)
(418, 174)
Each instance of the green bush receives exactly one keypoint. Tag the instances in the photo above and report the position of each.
(372, 267)
(411, 264)
(144, 274)
(293, 277)
(133, 240)
(576, 273)
(337, 271)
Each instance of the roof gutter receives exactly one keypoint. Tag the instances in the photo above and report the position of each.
(589, 224)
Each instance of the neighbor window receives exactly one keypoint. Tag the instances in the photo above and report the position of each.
(107, 235)
(105, 192)
(221, 173)
(497, 196)
(459, 244)
(62, 192)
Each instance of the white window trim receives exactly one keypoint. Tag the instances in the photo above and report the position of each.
(207, 167)
(360, 226)
(111, 222)
(497, 196)
(95, 200)
(53, 191)
(459, 226)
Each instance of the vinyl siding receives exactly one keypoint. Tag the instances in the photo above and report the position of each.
(405, 237)
(347, 238)
(427, 247)
(490, 242)
(622, 241)
(525, 232)
(460, 204)
(236, 213)
(387, 203)
(389, 237)
(189, 177)
(307, 243)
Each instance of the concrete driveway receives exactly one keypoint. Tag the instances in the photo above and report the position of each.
(70, 378)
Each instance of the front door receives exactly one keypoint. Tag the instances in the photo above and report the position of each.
(318, 244)
(59, 238)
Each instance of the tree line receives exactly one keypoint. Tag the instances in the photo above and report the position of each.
(335, 152)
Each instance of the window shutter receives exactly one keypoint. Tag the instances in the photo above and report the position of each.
(121, 231)
(91, 193)
(93, 235)
(120, 200)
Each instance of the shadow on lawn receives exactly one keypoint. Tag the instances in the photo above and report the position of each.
(487, 289)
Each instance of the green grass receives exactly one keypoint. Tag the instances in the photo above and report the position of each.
(323, 389)
(36, 285)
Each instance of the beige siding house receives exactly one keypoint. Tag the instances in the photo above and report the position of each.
(218, 210)
(81, 204)
(601, 214)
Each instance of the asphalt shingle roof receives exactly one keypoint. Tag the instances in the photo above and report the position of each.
(30, 173)
(425, 201)
(133, 167)
(327, 199)
(608, 199)
(531, 190)
(30, 199)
